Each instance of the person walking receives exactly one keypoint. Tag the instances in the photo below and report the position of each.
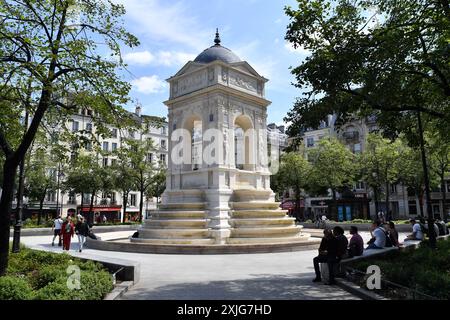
(82, 231)
(67, 231)
(56, 229)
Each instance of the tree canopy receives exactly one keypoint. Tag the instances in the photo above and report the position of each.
(383, 58)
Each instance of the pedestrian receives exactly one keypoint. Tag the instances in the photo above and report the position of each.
(356, 245)
(67, 231)
(104, 219)
(393, 234)
(327, 246)
(378, 240)
(82, 231)
(56, 228)
(443, 230)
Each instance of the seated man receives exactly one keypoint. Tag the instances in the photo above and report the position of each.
(328, 243)
(417, 233)
(378, 240)
(356, 245)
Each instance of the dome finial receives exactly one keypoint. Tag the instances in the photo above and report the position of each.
(217, 39)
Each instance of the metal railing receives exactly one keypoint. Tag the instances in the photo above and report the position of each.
(401, 292)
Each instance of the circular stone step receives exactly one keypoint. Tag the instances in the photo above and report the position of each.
(178, 214)
(265, 232)
(268, 240)
(246, 214)
(183, 206)
(174, 241)
(173, 233)
(254, 205)
(262, 222)
(176, 224)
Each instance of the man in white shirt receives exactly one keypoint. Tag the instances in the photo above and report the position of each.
(417, 233)
(57, 224)
(378, 240)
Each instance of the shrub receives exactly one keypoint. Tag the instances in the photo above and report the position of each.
(13, 288)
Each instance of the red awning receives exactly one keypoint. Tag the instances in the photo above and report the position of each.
(102, 209)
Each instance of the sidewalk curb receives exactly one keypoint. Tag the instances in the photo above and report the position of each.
(119, 290)
(358, 291)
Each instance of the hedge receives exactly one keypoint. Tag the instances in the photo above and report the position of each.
(39, 275)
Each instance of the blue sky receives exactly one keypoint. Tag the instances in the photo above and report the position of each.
(172, 32)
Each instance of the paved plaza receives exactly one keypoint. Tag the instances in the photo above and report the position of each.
(284, 276)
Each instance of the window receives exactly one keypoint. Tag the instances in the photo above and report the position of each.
(105, 162)
(211, 118)
(163, 158)
(393, 188)
(113, 162)
(132, 134)
(163, 144)
(105, 146)
(310, 142)
(412, 207)
(359, 185)
(357, 148)
(88, 112)
(51, 195)
(150, 157)
(448, 186)
(89, 146)
(114, 146)
(75, 126)
(133, 200)
(114, 133)
(89, 127)
(164, 130)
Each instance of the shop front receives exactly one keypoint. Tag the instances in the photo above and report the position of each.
(101, 214)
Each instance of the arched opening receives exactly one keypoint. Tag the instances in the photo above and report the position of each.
(194, 126)
(244, 138)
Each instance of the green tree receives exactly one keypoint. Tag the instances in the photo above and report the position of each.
(396, 69)
(40, 178)
(440, 160)
(379, 165)
(294, 174)
(142, 167)
(51, 47)
(333, 167)
(158, 185)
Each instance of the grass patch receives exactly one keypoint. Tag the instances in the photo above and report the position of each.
(38, 275)
(424, 269)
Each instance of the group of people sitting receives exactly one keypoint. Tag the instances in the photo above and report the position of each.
(335, 246)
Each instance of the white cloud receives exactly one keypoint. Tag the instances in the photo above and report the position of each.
(160, 58)
(139, 58)
(165, 21)
(149, 85)
(299, 50)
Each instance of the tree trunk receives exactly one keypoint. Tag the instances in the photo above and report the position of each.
(9, 175)
(335, 210)
(125, 200)
(387, 199)
(375, 194)
(431, 232)
(41, 206)
(91, 206)
(141, 206)
(444, 197)
(82, 202)
(420, 196)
